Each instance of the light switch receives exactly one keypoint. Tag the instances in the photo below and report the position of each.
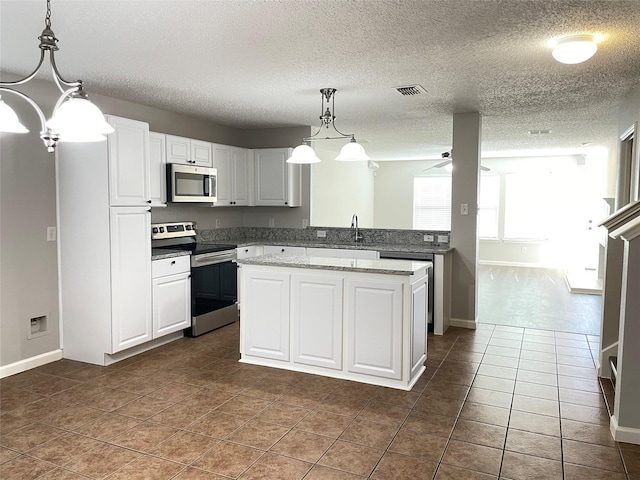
(52, 234)
(464, 209)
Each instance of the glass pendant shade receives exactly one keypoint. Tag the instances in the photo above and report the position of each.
(9, 121)
(79, 120)
(575, 49)
(352, 152)
(303, 154)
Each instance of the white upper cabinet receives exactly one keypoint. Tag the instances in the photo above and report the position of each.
(129, 171)
(232, 164)
(277, 183)
(158, 169)
(188, 151)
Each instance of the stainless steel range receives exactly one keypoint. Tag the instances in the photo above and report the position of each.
(214, 285)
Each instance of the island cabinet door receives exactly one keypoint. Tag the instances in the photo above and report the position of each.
(374, 328)
(317, 321)
(265, 314)
(419, 307)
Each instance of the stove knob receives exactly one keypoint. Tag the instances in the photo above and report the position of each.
(188, 227)
(161, 229)
(154, 229)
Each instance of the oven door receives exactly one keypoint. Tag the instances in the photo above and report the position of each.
(192, 184)
(214, 294)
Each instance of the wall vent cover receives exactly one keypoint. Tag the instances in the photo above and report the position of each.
(539, 132)
(411, 90)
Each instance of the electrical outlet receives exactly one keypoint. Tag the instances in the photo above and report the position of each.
(464, 209)
(443, 238)
(428, 238)
(305, 223)
(523, 249)
(272, 222)
(217, 223)
(321, 233)
(52, 234)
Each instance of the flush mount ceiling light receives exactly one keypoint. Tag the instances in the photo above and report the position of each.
(74, 117)
(572, 49)
(351, 152)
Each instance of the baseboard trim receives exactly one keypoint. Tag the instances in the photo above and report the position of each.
(498, 263)
(29, 363)
(624, 434)
(459, 322)
(604, 370)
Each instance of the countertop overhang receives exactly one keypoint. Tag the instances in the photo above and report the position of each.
(384, 266)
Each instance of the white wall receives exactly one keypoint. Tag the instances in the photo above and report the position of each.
(340, 189)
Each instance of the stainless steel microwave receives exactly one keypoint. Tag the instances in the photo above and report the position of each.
(189, 183)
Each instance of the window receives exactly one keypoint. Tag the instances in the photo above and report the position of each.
(432, 202)
(528, 205)
(489, 205)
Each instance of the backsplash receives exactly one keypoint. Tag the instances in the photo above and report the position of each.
(333, 235)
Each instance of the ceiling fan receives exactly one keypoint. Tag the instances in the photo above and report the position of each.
(449, 160)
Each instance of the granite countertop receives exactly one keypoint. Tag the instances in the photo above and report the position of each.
(245, 242)
(390, 267)
(160, 253)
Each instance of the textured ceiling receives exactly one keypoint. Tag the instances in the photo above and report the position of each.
(259, 64)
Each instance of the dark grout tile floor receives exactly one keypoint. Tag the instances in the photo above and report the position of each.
(497, 402)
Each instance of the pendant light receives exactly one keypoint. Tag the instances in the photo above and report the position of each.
(351, 152)
(74, 117)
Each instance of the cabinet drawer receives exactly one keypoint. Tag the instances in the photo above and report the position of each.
(285, 250)
(170, 266)
(249, 251)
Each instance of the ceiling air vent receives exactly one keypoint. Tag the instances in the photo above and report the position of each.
(539, 132)
(411, 90)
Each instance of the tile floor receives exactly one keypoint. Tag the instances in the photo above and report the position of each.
(499, 402)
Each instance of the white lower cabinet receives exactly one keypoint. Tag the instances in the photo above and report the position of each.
(266, 298)
(171, 295)
(374, 328)
(353, 325)
(130, 274)
(317, 329)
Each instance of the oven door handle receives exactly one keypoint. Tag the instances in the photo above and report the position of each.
(212, 259)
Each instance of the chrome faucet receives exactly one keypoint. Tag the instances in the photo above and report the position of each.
(357, 236)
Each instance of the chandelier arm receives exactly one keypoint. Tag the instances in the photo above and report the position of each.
(28, 77)
(58, 78)
(63, 97)
(43, 120)
(307, 139)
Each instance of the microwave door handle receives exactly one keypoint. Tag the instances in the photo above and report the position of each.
(211, 187)
(206, 185)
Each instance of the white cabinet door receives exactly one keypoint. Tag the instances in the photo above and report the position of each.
(342, 253)
(374, 328)
(157, 169)
(240, 178)
(171, 303)
(284, 250)
(188, 151)
(419, 319)
(178, 150)
(277, 183)
(128, 150)
(201, 153)
(265, 311)
(317, 325)
(130, 277)
(222, 162)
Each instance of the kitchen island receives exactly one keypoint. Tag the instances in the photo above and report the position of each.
(357, 319)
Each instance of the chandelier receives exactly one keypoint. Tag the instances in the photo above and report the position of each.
(350, 152)
(74, 117)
